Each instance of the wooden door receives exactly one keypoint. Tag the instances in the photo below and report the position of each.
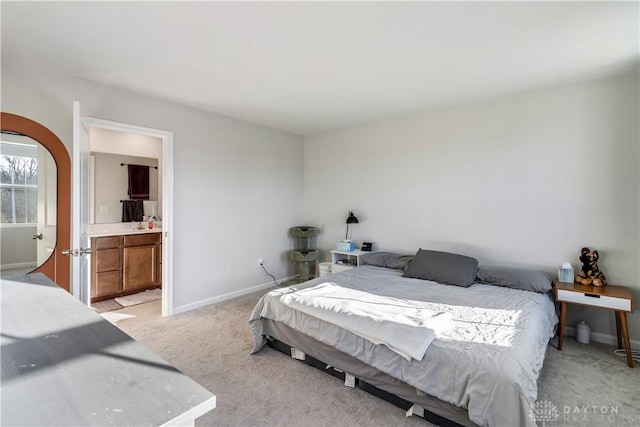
(57, 267)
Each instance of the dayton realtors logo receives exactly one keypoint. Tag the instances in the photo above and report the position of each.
(545, 411)
(597, 415)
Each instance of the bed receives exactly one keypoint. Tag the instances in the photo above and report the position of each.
(480, 370)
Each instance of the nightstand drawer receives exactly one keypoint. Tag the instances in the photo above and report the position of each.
(595, 300)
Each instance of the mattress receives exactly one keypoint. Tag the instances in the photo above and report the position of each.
(487, 364)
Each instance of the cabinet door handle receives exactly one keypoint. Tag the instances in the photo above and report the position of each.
(37, 236)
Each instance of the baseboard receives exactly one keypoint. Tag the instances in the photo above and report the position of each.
(570, 331)
(224, 297)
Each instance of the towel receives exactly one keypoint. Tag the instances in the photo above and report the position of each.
(138, 182)
(132, 210)
(150, 208)
(407, 327)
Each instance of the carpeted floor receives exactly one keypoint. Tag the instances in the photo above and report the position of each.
(586, 384)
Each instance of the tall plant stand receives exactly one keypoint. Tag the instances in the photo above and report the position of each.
(303, 254)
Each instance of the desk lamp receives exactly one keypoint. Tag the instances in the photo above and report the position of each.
(351, 219)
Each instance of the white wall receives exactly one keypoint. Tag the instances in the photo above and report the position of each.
(520, 181)
(125, 143)
(237, 186)
(17, 248)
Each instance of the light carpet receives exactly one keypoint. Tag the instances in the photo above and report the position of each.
(115, 316)
(212, 344)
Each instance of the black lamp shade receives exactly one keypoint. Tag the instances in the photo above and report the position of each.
(352, 219)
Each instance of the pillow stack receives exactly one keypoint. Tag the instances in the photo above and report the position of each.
(461, 270)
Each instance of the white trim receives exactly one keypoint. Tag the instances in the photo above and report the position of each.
(125, 127)
(230, 295)
(167, 215)
(92, 181)
(18, 224)
(167, 199)
(76, 197)
(188, 417)
(570, 331)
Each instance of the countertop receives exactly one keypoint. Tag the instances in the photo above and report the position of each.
(118, 229)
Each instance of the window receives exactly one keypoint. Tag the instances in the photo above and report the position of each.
(18, 183)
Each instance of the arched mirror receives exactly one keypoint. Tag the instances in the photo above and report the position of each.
(27, 204)
(35, 200)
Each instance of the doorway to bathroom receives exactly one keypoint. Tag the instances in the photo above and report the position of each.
(130, 263)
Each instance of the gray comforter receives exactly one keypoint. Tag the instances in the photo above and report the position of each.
(487, 363)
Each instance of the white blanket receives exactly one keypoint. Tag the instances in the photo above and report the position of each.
(405, 326)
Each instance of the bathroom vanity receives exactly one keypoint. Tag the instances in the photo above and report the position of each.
(125, 262)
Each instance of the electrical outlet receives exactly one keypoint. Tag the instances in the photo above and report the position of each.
(260, 261)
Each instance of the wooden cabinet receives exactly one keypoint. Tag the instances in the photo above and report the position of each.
(125, 264)
(140, 256)
(106, 266)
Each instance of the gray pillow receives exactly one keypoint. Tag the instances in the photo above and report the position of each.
(443, 267)
(386, 259)
(516, 278)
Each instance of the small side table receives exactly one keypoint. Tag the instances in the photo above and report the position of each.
(344, 260)
(616, 298)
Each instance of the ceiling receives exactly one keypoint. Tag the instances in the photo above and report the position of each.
(307, 67)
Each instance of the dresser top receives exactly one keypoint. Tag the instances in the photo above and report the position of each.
(63, 364)
(608, 290)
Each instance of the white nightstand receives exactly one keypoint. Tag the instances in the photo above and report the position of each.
(344, 260)
(616, 298)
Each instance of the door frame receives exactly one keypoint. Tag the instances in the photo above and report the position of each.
(167, 197)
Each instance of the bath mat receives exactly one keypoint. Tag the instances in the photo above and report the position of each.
(140, 298)
(104, 306)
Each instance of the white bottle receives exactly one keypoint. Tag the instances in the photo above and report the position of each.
(583, 333)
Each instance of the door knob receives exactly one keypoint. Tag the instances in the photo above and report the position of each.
(76, 252)
(37, 236)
